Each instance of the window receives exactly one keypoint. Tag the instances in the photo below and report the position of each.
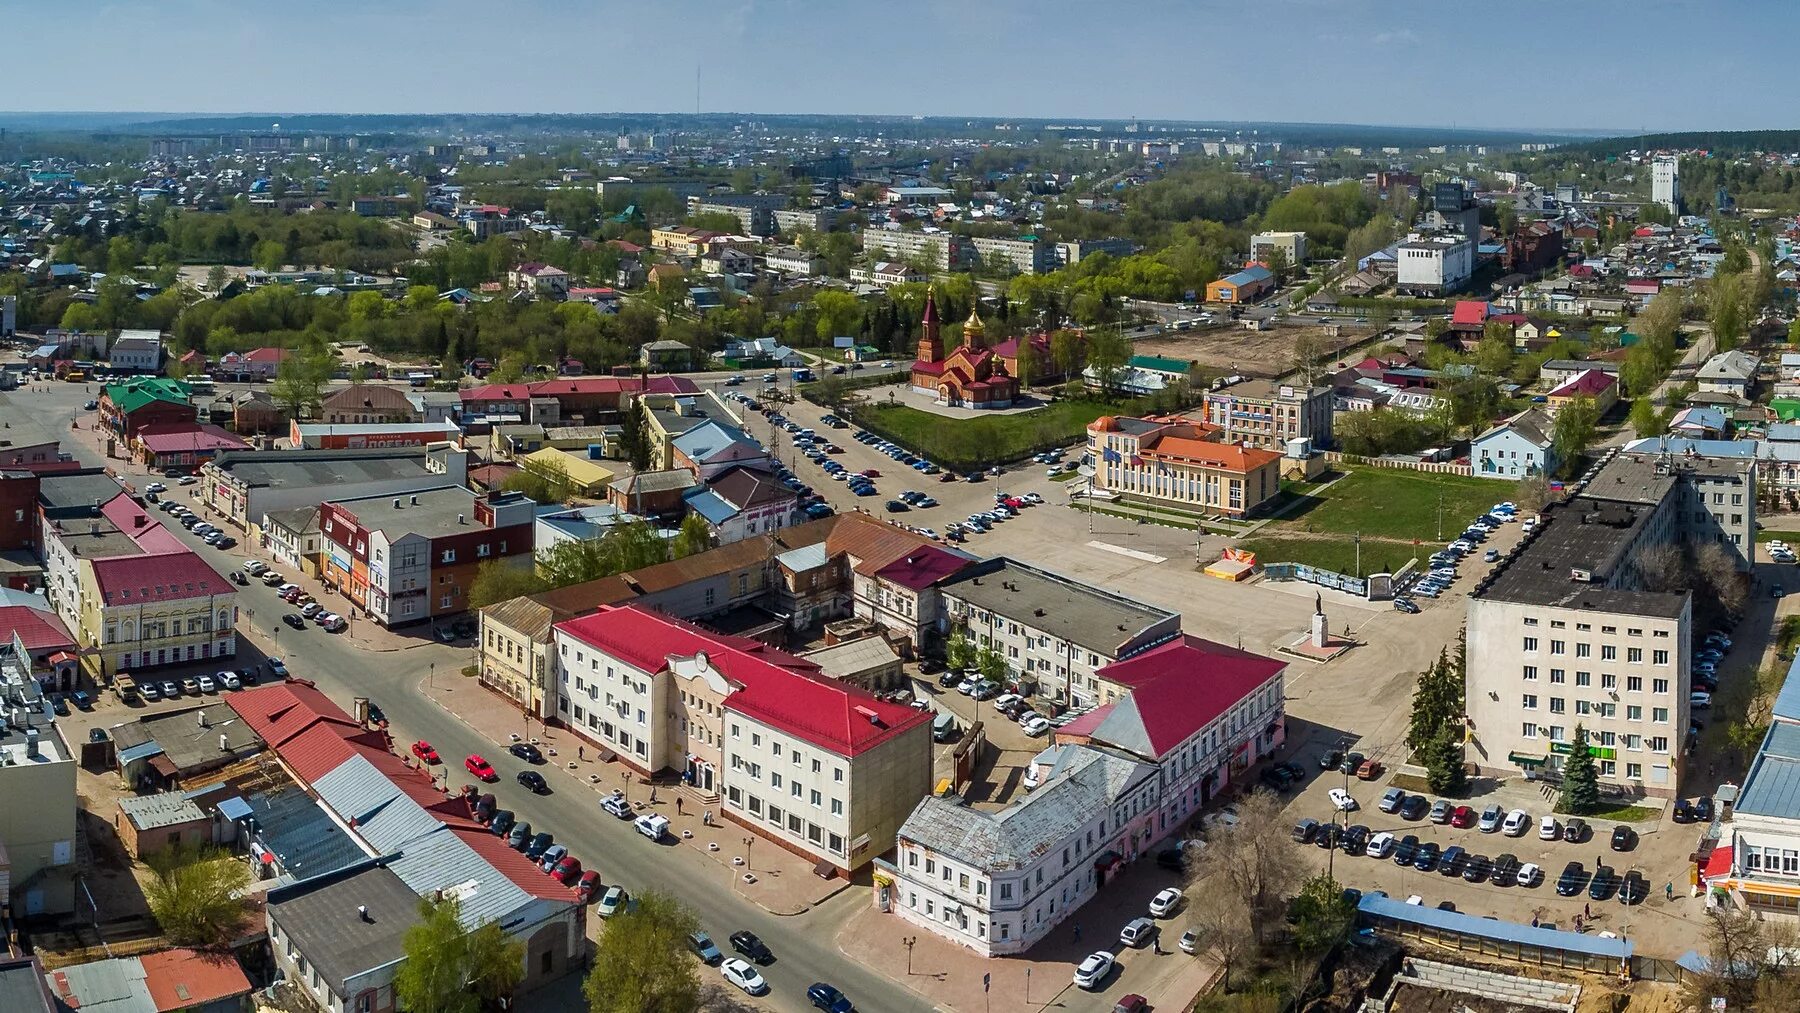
(1659, 685)
(1659, 744)
(1558, 676)
(1634, 684)
(1634, 771)
(1530, 730)
(1530, 702)
(1530, 673)
(1634, 655)
(449, 556)
(1609, 768)
(1582, 650)
(1584, 678)
(1659, 657)
(1659, 715)
(1530, 621)
(837, 807)
(1556, 705)
(1556, 647)
(1609, 681)
(1608, 652)
(1531, 643)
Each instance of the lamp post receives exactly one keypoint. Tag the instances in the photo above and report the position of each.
(748, 841)
(431, 675)
(908, 941)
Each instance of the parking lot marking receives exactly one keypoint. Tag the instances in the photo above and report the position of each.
(1148, 557)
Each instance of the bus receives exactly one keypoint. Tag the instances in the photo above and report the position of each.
(76, 376)
(200, 385)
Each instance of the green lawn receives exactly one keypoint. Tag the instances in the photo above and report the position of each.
(1390, 503)
(967, 443)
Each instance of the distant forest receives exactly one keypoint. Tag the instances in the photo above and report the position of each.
(1719, 142)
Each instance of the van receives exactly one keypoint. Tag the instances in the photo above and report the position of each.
(126, 687)
(652, 826)
(943, 727)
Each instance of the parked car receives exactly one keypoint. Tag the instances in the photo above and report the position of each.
(1573, 878)
(1490, 819)
(1440, 811)
(750, 946)
(1517, 822)
(1305, 830)
(424, 751)
(1549, 829)
(480, 768)
(1415, 807)
(1165, 902)
(612, 901)
(1342, 800)
(827, 998)
(1623, 838)
(1137, 932)
(1094, 969)
(742, 974)
(1575, 831)
(526, 751)
(1462, 817)
(1392, 800)
(1529, 874)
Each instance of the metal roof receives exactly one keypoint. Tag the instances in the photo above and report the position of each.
(149, 812)
(1383, 906)
(301, 834)
(368, 800)
(103, 986)
(321, 916)
(1772, 788)
(1787, 701)
(443, 861)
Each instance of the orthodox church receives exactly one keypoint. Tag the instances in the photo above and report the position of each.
(972, 376)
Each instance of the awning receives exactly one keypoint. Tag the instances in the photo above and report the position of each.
(141, 751)
(1525, 759)
(163, 765)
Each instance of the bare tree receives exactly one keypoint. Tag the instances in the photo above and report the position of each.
(1253, 869)
(1664, 568)
(1736, 949)
(1310, 352)
(1532, 492)
(1220, 919)
(1714, 565)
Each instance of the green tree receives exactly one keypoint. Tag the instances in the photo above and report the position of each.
(629, 546)
(1793, 334)
(197, 894)
(1573, 430)
(1321, 915)
(300, 380)
(1646, 421)
(1107, 354)
(1727, 311)
(1580, 787)
(1437, 701)
(544, 480)
(269, 255)
(510, 369)
(991, 664)
(449, 969)
(642, 964)
(838, 314)
(1442, 758)
(1068, 351)
(1028, 369)
(694, 536)
(634, 437)
(498, 580)
(217, 278)
(959, 653)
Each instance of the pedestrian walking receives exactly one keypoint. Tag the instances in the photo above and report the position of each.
(1669, 891)
(1534, 921)
(1586, 911)
(1155, 946)
(678, 805)
(1078, 932)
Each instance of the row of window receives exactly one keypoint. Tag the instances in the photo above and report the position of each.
(789, 821)
(1633, 655)
(1633, 683)
(1630, 631)
(1598, 708)
(1606, 739)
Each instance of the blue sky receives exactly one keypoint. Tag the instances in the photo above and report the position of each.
(1617, 65)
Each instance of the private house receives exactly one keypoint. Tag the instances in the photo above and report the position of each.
(1516, 448)
(739, 502)
(1732, 372)
(709, 449)
(367, 403)
(540, 280)
(1598, 386)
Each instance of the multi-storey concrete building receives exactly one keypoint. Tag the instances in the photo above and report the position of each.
(37, 777)
(1566, 632)
(936, 251)
(245, 486)
(791, 220)
(1290, 245)
(1022, 256)
(821, 768)
(404, 559)
(1052, 631)
(754, 211)
(1262, 413)
(1433, 265)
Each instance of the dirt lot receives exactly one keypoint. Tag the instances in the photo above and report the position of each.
(1267, 353)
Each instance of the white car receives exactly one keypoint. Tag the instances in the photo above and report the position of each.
(1165, 902)
(1035, 725)
(740, 973)
(1549, 829)
(1031, 779)
(1530, 874)
(1380, 845)
(1342, 800)
(1093, 970)
(230, 680)
(156, 487)
(1190, 941)
(207, 685)
(1517, 822)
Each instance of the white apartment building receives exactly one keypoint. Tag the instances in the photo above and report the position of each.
(1022, 256)
(819, 767)
(1431, 265)
(1292, 246)
(939, 251)
(1665, 182)
(999, 882)
(1565, 634)
(1052, 630)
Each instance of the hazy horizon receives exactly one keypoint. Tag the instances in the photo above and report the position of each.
(1534, 65)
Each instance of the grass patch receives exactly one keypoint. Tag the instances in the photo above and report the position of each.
(1395, 503)
(1624, 813)
(1337, 554)
(1064, 476)
(965, 444)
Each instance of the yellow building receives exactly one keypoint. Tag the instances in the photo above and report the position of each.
(587, 478)
(165, 608)
(1186, 464)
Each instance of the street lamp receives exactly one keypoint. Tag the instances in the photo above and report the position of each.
(908, 941)
(747, 842)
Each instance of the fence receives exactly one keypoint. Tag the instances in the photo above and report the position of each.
(1314, 575)
(1434, 467)
(53, 959)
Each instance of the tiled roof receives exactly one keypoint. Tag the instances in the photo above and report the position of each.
(154, 577)
(1235, 457)
(193, 437)
(1469, 311)
(775, 688)
(745, 488)
(1588, 381)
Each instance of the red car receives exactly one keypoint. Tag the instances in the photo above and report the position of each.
(568, 871)
(480, 768)
(1462, 817)
(587, 886)
(423, 751)
(1015, 502)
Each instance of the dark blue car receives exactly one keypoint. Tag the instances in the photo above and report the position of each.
(828, 998)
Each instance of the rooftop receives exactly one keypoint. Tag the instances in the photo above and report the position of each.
(1013, 838)
(151, 812)
(426, 512)
(347, 921)
(185, 979)
(322, 468)
(22, 986)
(190, 738)
(1772, 788)
(1177, 688)
(1099, 621)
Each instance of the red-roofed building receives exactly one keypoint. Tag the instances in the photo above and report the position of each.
(41, 631)
(1203, 712)
(194, 980)
(1599, 386)
(181, 445)
(971, 376)
(729, 715)
(903, 596)
(1191, 464)
(1469, 315)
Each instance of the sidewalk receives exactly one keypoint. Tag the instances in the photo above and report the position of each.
(774, 879)
(950, 976)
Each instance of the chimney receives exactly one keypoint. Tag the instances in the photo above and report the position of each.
(362, 912)
(396, 502)
(201, 714)
(224, 743)
(459, 519)
(31, 743)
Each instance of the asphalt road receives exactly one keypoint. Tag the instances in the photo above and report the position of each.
(804, 944)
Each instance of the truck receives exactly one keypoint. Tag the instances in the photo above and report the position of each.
(803, 375)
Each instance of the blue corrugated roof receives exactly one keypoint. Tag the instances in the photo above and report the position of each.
(141, 751)
(1510, 932)
(1250, 275)
(1772, 788)
(1787, 702)
(368, 800)
(235, 809)
(709, 505)
(303, 838)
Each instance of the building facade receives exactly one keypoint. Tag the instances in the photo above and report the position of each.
(936, 251)
(1184, 464)
(1261, 413)
(406, 559)
(1433, 265)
